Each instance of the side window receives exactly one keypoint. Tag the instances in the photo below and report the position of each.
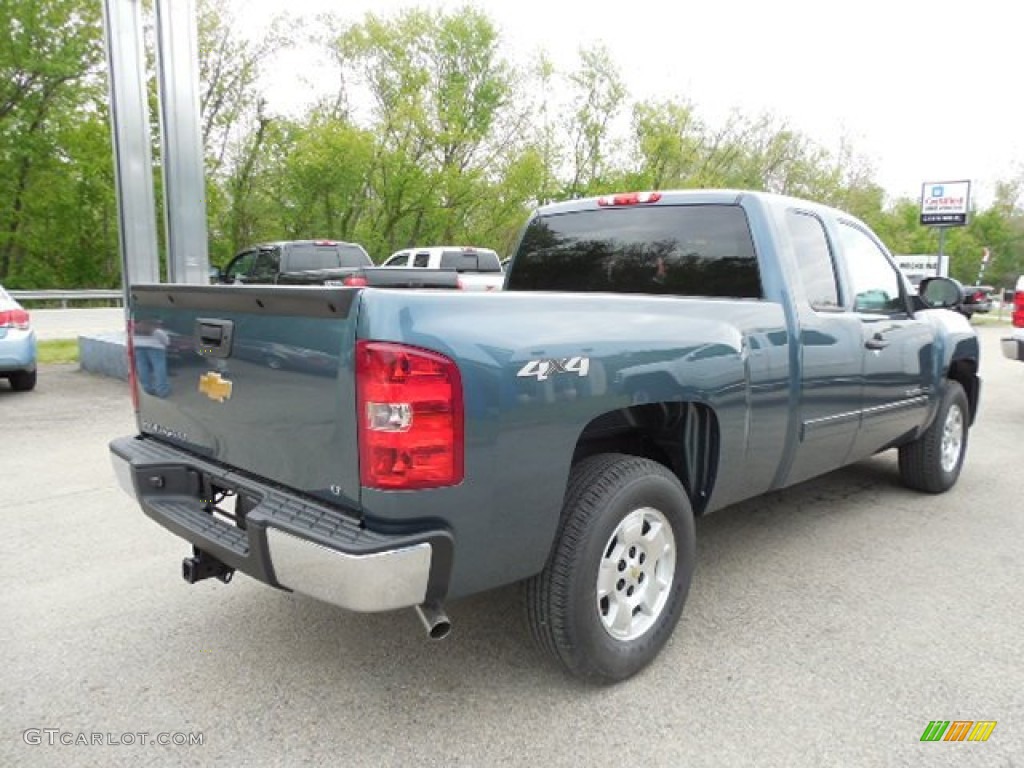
(874, 282)
(354, 256)
(421, 260)
(266, 266)
(814, 260)
(240, 268)
(398, 260)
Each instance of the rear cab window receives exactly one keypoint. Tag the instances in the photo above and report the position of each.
(312, 256)
(680, 250)
(470, 261)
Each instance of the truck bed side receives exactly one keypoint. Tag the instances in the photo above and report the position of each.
(542, 379)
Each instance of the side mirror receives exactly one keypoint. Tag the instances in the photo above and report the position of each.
(941, 292)
(216, 276)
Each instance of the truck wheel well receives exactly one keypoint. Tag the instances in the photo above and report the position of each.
(681, 436)
(966, 373)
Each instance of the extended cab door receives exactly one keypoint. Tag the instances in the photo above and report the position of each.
(896, 348)
(831, 369)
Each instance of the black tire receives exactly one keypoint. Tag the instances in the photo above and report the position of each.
(924, 466)
(23, 381)
(565, 616)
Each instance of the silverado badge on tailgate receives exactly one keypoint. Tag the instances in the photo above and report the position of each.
(214, 387)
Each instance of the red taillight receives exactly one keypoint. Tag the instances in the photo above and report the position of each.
(324, 242)
(979, 296)
(133, 378)
(1018, 309)
(355, 281)
(410, 417)
(630, 198)
(14, 318)
(459, 284)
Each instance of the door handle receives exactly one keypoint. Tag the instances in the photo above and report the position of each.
(214, 336)
(876, 342)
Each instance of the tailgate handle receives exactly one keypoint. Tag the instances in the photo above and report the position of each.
(213, 337)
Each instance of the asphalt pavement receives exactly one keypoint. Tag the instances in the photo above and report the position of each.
(828, 625)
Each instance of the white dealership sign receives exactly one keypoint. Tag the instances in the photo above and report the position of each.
(922, 264)
(945, 203)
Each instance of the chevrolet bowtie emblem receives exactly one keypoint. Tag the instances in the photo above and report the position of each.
(214, 387)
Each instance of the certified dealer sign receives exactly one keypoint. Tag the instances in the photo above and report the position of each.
(945, 203)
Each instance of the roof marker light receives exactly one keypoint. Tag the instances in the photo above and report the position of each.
(629, 198)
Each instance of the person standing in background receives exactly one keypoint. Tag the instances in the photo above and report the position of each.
(150, 343)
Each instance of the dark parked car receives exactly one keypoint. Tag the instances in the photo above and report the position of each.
(977, 298)
(294, 262)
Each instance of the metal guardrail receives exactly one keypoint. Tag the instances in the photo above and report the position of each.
(64, 296)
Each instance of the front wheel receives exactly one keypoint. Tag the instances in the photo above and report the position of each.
(614, 586)
(932, 463)
(23, 381)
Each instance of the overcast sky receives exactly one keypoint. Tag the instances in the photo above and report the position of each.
(927, 90)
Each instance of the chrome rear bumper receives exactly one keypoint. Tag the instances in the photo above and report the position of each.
(287, 542)
(377, 582)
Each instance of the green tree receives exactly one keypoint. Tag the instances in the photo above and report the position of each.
(327, 175)
(438, 85)
(51, 105)
(599, 95)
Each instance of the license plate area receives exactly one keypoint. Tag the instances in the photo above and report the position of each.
(228, 504)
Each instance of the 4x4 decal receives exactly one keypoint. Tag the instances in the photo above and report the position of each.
(542, 369)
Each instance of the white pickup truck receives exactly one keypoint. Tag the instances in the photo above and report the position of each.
(479, 268)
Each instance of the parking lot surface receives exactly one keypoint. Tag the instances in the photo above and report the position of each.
(828, 625)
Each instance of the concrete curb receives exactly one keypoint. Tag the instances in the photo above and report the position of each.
(105, 354)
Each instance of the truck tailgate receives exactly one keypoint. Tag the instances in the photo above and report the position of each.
(258, 378)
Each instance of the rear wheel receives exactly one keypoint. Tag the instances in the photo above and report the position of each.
(614, 586)
(932, 463)
(23, 381)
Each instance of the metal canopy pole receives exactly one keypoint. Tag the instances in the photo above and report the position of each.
(182, 146)
(133, 159)
(942, 253)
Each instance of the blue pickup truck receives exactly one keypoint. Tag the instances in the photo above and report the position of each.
(653, 357)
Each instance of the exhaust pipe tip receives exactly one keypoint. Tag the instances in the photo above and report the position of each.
(440, 630)
(435, 620)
